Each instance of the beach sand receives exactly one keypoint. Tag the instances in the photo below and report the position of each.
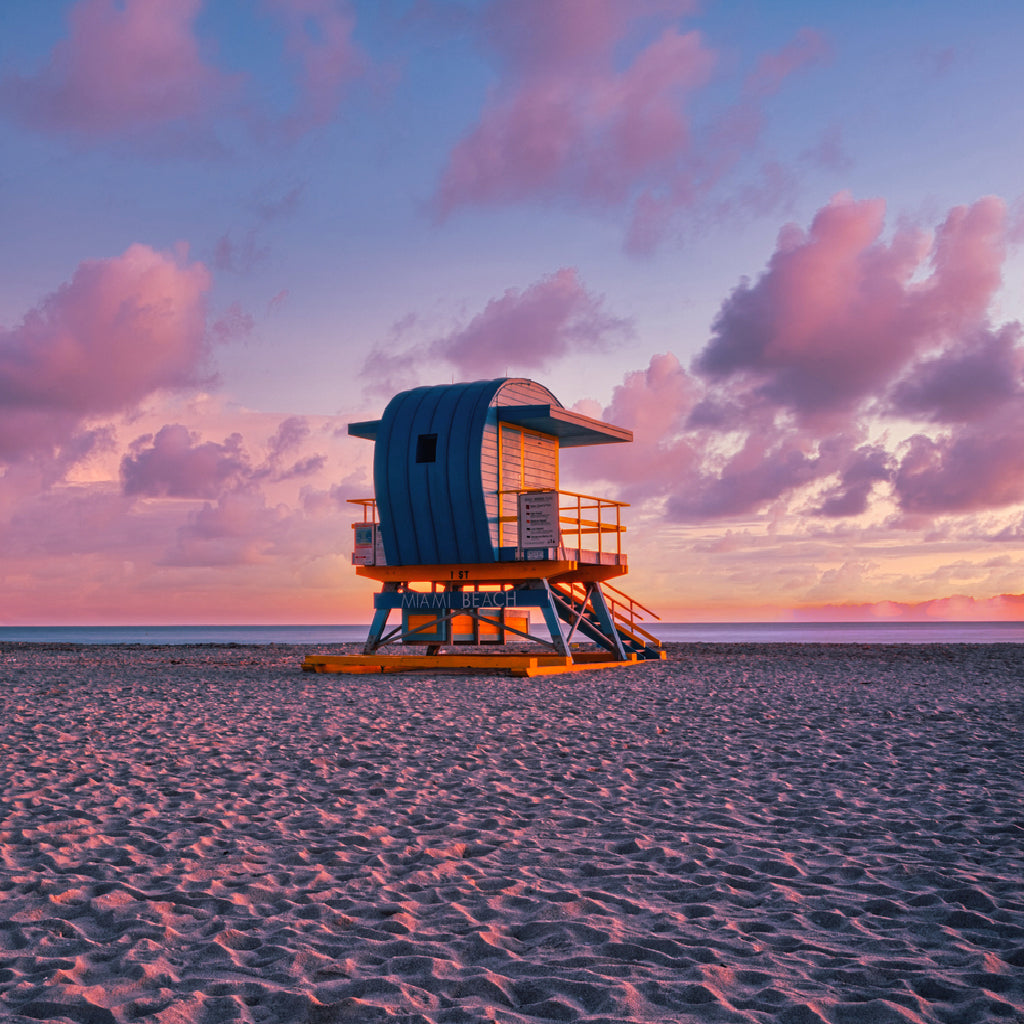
(773, 833)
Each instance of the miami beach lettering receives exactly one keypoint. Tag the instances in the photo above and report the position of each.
(462, 599)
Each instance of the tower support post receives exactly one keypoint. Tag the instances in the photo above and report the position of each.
(379, 622)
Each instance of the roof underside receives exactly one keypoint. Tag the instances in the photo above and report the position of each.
(365, 428)
(572, 429)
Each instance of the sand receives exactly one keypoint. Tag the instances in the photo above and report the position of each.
(772, 833)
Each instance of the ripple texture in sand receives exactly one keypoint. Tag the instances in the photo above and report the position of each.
(774, 833)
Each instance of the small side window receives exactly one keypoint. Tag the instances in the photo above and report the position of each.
(426, 448)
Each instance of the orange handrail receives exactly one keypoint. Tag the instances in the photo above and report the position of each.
(627, 612)
(573, 522)
(369, 506)
(571, 513)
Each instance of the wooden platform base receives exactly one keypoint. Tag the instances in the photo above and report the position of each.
(507, 664)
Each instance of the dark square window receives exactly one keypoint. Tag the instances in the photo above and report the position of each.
(426, 448)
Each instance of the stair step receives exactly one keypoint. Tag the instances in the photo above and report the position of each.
(572, 608)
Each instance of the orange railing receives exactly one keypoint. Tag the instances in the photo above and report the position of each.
(579, 515)
(369, 506)
(625, 611)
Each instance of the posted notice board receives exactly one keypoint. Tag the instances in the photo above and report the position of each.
(538, 520)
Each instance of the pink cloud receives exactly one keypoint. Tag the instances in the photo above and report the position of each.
(58, 524)
(177, 466)
(977, 466)
(263, 545)
(535, 37)
(966, 382)
(240, 529)
(288, 437)
(566, 117)
(861, 470)
(286, 442)
(841, 328)
(765, 468)
(654, 403)
(839, 313)
(119, 330)
(520, 331)
(807, 47)
(318, 39)
(593, 103)
(957, 608)
(529, 329)
(123, 66)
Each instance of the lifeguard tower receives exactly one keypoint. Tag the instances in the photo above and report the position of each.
(469, 535)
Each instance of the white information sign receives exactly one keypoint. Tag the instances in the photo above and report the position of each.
(538, 520)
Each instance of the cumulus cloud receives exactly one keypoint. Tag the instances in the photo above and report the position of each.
(288, 436)
(839, 312)
(593, 103)
(520, 331)
(285, 443)
(978, 466)
(968, 381)
(843, 329)
(861, 470)
(765, 468)
(565, 117)
(121, 329)
(123, 66)
(653, 403)
(176, 465)
(533, 327)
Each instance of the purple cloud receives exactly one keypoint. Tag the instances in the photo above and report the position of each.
(838, 314)
(121, 329)
(531, 328)
(123, 67)
(966, 382)
(176, 465)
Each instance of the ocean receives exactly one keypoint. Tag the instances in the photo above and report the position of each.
(669, 632)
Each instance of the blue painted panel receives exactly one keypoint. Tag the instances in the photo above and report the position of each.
(446, 523)
(391, 459)
(433, 513)
(423, 514)
(459, 600)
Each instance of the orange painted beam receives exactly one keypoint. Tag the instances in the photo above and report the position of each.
(491, 572)
(515, 664)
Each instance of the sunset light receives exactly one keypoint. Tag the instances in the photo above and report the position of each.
(780, 244)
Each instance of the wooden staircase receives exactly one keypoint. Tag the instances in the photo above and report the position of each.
(609, 617)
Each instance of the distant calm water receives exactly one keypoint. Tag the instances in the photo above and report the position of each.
(680, 632)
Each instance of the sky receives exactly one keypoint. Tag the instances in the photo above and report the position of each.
(781, 243)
